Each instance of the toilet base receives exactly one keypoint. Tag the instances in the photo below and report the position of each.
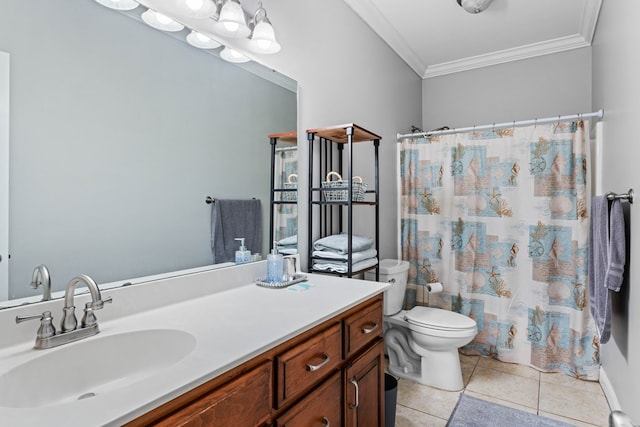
(440, 369)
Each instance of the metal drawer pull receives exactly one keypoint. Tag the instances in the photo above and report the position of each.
(326, 421)
(371, 329)
(325, 360)
(355, 384)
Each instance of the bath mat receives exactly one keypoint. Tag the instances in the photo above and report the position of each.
(473, 412)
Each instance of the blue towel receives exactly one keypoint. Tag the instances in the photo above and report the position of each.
(231, 219)
(606, 260)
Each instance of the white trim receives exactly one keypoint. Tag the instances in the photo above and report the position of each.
(608, 390)
(399, 202)
(507, 55)
(387, 32)
(4, 175)
(381, 26)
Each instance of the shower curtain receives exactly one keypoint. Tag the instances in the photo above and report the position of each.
(286, 218)
(499, 217)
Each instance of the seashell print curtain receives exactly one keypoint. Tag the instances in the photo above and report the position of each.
(500, 218)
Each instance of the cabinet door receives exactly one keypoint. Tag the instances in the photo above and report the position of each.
(364, 389)
(323, 407)
(245, 401)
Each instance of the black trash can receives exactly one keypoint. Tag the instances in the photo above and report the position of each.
(390, 398)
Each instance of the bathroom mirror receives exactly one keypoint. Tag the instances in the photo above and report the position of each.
(118, 133)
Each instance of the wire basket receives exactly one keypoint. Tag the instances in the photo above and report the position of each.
(337, 191)
(291, 184)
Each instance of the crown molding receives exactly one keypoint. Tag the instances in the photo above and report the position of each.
(371, 15)
(508, 55)
(380, 25)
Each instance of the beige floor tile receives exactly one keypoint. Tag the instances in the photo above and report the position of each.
(585, 406)
(426, 399)
(501, 402)
(570, 420)
(407, 417)
(505, 386)
(566, 380)
(468, 364)
(510, 368)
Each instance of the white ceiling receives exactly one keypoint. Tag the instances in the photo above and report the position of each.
(437, 37)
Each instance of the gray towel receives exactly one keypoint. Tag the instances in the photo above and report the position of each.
(231, 219)
(606, 260)
(617, 247)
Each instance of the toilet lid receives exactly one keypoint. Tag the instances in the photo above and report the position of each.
(439, 319)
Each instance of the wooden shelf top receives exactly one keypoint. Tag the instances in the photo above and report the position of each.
(338, 133)
(285, 136)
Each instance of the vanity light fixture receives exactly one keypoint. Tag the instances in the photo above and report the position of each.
(263, 38)
(119, 4)
(232, 55)
(160, 21)
(231, 20)
(202, 41)
(196, 8)
(212, 23)
(474, 6)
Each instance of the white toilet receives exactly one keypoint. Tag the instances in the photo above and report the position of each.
(422, 343)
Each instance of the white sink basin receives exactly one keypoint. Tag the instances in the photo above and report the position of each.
(91, 367)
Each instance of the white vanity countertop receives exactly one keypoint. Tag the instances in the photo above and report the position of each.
(230, 327)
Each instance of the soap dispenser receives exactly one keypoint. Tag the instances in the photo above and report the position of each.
(243, 255)
(275, 263)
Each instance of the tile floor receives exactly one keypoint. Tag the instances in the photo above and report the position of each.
(581, 403)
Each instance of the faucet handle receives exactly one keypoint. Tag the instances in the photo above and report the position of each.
(46, 328)
(97, 305)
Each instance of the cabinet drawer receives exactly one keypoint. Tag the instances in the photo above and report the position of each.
(361, 328)
(323, 407)
(245, 401)
(308, 363)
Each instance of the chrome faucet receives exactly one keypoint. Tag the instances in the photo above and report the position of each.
(47, 336)
(41, 277)
(69, 320)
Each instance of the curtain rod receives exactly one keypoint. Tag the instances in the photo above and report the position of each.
(597, 114)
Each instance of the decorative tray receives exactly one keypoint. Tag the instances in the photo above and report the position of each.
(296, 279)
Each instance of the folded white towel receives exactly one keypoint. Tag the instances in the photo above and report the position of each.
(357, 256)
(342, 267)
(289, 241)
(287, 250)
(340, 242)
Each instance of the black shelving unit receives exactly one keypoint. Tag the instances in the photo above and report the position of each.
(290, 138)
(331, 149)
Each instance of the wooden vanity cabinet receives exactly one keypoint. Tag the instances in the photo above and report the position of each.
(365, 373)
(332, 374)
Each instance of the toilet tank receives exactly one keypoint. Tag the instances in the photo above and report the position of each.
(395, 272)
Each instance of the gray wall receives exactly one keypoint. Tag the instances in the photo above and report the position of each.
(544, 86)
(118, 132)
(616, 89)
(346, 73)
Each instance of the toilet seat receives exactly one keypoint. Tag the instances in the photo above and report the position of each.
(439, 319)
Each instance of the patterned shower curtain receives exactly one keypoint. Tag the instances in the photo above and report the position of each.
(499, 217)
(286, 218)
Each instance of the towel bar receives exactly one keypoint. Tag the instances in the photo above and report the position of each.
(627, 196)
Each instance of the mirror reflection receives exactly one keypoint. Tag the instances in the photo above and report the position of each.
(284, 211)
(118, 133)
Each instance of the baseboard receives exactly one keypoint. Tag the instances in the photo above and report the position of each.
(609, 393)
